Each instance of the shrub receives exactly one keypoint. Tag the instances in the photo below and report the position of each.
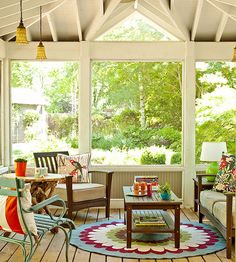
(176, 158)
(149, 158)
(30, 117)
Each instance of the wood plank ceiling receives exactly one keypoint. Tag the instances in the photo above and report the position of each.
(85, 20)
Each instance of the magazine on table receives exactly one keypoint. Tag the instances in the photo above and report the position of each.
(149, 221)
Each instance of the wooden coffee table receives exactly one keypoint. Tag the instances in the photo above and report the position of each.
(133, 205)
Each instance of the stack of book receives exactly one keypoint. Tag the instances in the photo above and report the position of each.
(143, 221)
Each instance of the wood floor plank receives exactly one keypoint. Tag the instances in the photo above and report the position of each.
(180, 260)
(222, 256)
(195, 259)
(114, 259)
(211, 258)
(97, 258)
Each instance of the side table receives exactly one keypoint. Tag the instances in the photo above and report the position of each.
(205, 185)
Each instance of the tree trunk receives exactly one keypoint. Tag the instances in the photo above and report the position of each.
(142, 103)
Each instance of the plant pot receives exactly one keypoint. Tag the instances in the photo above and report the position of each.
(20, 168)
(165, 196)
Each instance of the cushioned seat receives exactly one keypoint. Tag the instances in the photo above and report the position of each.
(82, 191)
(215, 202)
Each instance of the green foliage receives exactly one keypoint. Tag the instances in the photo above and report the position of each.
(20, 160)
(150, 158)
(22, 74)
(63, 125)
(166, 188)
(135, 30)
(176, 158)
(30, 117)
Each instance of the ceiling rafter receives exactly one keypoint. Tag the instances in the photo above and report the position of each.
(100, 19)
(124, 12)
(52, 27)
(78, 24)
(156, 5)
(221, 27)
(47, 9)
(228, 2)
(13, 10)
(6, 3)
(175, 20)
(147, 10)
(12, 19)
(196, 19)
(226, 9)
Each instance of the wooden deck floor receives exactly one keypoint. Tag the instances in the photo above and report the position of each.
(52, 249)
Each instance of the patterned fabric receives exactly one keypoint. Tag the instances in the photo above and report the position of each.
(10, 217)
(226, 176)
(76, 166)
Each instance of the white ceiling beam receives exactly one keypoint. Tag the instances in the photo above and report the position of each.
(122, 14)
(78, 24)
(12, 19)
(4, 3)
(147, 10)
(226, 9)
(172, 4)
(196, 19)
(156, 5)
(15, 9)
(47, 9)
(221, 27)
(228, 2)
(100, 19)
(52, 27)
(175, 20)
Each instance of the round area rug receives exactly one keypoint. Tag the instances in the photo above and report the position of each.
(109, 238)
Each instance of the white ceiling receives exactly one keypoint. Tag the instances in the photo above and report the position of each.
(77, 20)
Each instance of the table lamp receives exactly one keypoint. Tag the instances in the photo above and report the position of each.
(212, 152)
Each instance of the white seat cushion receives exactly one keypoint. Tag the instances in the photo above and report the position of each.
(82, 192)
(215, 202)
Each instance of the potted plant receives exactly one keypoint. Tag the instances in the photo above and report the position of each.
(20, 166)
(165, 191)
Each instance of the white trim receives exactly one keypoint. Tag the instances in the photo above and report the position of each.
(141, 168)
(189, 74)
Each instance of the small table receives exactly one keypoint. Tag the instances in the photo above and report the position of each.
(41, 188)
(205, 185)
(135, 204)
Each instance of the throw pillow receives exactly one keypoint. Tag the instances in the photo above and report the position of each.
(76, 166)
(11, 219)
(226, 176)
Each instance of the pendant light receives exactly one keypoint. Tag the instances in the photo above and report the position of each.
(234, 55)
(21, 37)
(41, 54)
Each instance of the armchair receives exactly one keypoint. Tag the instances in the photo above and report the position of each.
(78, 196)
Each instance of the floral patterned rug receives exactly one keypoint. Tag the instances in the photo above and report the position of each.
(109, 238)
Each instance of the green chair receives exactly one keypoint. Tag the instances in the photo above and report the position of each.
(14, 187)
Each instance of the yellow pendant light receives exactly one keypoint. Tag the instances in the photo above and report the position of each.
(234, 55)
(21, 37)
(41, 54)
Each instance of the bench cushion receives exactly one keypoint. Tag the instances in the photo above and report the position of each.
(82, 192)
(215, 202)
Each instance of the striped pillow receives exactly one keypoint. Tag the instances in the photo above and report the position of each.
(11, 220)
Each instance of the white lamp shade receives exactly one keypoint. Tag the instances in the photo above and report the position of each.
(212, 151)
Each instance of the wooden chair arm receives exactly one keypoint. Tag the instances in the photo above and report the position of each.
(203, 175)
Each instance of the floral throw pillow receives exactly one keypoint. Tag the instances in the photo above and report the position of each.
(76, 166)
(226, 176)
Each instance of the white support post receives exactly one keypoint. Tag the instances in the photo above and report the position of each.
(84, 98)
(5, 113)
(189, 123)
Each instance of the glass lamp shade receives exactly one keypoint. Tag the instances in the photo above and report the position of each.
(234, 55)
(21, 37)
(41, 54)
